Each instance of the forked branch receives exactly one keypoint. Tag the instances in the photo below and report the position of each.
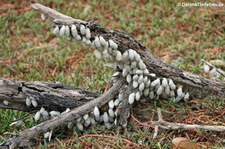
(196, 85)
(28, 136)
(138, 74)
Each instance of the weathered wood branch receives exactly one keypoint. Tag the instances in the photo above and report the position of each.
(56, 96)
(28, 136)
(178, 126)
(196, 85)
(52, 96)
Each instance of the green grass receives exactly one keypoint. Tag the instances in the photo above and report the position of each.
(181, 36)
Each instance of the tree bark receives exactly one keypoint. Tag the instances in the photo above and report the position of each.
(51, 96)
(196, 85)
(58, 97)
(28, 136)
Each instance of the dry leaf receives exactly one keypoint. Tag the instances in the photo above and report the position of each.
(183, 143)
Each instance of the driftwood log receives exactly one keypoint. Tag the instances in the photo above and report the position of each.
(52, 96)
(27, 137)
(59, 97)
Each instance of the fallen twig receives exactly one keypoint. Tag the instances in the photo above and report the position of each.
(24, 138)
(145, 70)
(175, 126)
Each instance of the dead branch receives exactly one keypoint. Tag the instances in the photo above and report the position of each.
(58, 97)
(52, 96)
(177, 126)
(28, 136)
(196, 85)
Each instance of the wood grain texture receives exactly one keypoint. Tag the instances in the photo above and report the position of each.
(51, 96)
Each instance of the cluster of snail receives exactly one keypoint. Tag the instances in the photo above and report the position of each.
(212, 71)
(130, 66)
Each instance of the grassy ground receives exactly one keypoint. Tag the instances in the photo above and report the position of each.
(180, 36)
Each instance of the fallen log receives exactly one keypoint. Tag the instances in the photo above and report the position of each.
(197, 85)
(28, 136)
(52, 96)
(139, 74)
